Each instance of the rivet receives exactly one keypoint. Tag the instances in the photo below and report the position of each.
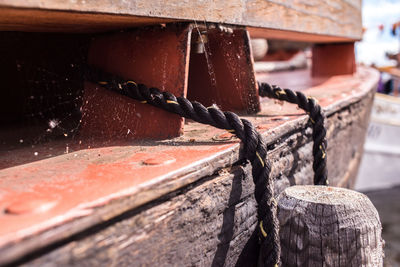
(223, 137)
(159, 160)
(262, 127)
(30, 205)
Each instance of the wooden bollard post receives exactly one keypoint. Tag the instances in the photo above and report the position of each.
(328, 226)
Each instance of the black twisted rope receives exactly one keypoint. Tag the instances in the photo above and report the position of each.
(317, 118)
(255, 149)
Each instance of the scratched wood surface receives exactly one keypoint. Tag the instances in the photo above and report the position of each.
(209, 221)
(339, 18)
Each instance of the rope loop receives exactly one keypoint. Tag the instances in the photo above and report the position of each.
(255, 148)
(316, 116)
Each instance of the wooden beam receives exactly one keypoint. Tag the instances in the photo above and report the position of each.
(36, 20)
(256, 32)
(334, 18)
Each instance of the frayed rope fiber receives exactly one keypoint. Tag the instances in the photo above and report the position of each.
(254, 146)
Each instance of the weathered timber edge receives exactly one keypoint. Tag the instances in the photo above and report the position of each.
(292, 164)
(339, 18)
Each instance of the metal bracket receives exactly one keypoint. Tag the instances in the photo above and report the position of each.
(162, 57)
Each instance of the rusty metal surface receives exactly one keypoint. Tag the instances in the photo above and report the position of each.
(157, 56)
(224, 68)
(38, 196)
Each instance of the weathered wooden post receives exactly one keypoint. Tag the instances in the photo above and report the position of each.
(328, 226)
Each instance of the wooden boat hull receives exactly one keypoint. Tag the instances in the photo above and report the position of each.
(196, 214)
(380, 164)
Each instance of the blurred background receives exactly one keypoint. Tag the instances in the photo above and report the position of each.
(379, 173)
(380, 167)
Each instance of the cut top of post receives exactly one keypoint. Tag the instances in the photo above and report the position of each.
(324, 194)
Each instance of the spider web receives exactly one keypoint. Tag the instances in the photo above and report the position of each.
(41, 95)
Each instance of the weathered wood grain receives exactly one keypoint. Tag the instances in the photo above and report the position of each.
(211, 221)
(338, 18)
(267, 33)
(208, 223)
(38, 20)
(328, 226)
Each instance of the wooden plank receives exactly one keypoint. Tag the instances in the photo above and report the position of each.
(126, 192)
(35, 20)
(341, 18)
(209, 221)
(256, 32)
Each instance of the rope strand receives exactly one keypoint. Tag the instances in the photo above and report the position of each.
(316, 117)
(255, 148)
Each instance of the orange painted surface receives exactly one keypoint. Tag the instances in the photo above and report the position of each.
(41, 191)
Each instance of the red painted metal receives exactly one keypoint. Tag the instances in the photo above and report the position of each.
(46, 193)
(67, 187)
(223, 74)
(333, 59)
(155, 56)
(160, 57)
